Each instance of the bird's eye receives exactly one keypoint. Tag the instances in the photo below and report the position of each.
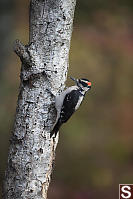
(84, 84)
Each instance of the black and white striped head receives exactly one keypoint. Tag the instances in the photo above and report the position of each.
(82, 83)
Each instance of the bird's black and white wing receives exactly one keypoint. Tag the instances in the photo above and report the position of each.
(70, 102)
(66, 108)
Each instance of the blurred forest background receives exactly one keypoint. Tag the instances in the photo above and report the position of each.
(95, 151)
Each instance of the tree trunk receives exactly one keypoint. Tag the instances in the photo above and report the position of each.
(43, 74)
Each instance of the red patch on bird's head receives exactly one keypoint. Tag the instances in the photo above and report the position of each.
(89, 83)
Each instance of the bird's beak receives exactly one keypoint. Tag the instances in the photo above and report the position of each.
(75, 80)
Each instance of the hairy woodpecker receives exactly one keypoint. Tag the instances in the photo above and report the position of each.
(69, 101)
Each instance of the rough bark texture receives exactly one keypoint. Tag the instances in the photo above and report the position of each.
(43, 73)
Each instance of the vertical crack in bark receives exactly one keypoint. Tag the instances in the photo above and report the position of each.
(45, 185)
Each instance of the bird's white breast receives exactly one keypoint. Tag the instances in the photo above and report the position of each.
(79, 102)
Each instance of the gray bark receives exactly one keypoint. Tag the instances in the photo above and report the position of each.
(43, 74)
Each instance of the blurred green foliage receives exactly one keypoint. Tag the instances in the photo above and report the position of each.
(95, 151)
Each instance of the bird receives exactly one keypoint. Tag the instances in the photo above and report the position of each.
(68, 101)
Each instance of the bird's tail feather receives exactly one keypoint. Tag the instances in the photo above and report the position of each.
(55, 129)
